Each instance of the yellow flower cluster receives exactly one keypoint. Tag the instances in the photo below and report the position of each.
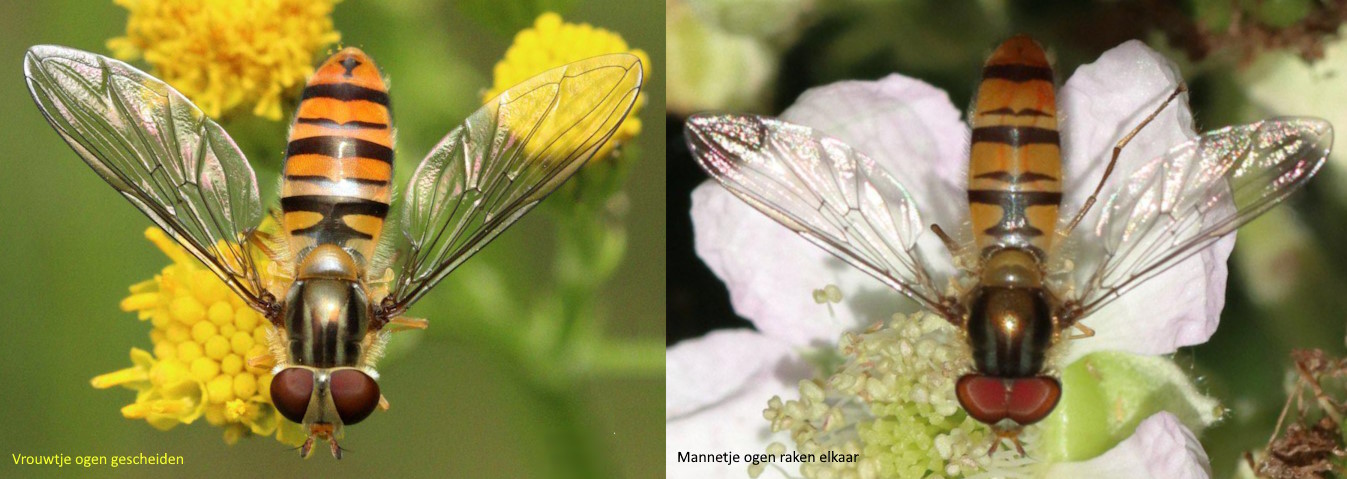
(203, 336)
(551, 43)
(228, 53)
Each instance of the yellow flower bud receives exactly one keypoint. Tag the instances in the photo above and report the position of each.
(551, 43)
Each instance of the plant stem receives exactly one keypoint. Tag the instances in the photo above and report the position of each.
(573, 451)
(633, 358)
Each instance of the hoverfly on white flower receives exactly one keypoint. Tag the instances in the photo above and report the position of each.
(1014, 276)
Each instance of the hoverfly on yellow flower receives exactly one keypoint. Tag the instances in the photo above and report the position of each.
(337, 284)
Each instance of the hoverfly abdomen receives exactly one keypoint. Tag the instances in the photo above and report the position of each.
(339, 161)
(1015, 169)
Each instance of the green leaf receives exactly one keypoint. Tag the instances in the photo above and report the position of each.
(1106, 394)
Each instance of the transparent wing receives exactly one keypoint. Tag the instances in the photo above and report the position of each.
(1179, 203)
(825, 191)
(158, 149)
(503, 160)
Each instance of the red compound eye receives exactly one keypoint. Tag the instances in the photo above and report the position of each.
(355, 395)
(1031, 399)
(984, 397)
(1023, 400)
(290, 391)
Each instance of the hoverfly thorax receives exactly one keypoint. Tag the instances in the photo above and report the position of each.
(1010, 324)
(327, 311)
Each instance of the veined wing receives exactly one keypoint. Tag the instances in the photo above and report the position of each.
(1179, 203)
(825, 191)
(502, 161)
(159, 150)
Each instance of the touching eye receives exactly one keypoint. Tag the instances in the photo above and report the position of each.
(290, 391)
(1023, 400)
(355, 394)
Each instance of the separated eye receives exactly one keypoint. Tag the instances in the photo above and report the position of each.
(355, 394)
(290, 392)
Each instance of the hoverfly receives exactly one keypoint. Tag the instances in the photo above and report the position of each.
(1023, 277)
(344, 280)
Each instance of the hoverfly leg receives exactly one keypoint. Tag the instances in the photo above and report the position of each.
(1019, 446)
(274, 270)
(262, 361)
(383, 402)
(404, 323)
(1013, 435)
(950, 244)
(262, 242)
(272, 307)
(1112, 162)
(385, 278)
(1085, 332)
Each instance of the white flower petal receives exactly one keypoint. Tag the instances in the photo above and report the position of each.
(908, 127)
(1105, 100)
(1101, 103)
(1160, 448)
(734, 424)
(703, 371)
(771, 273)
(1180, 307)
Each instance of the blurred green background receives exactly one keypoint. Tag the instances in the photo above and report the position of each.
(1243, 61)
(460, 408)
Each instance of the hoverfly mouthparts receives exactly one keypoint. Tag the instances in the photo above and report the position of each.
(182, 170)
(1018, 307)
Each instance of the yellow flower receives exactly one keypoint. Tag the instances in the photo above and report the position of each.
(551, 43)
(227, 53)
(203, 336)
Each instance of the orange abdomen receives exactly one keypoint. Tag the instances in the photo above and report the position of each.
(1015, 164)
(339, 162)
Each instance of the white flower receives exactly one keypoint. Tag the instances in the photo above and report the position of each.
(717, 386)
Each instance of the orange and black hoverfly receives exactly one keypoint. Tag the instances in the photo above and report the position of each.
(340, 279)
(1022, 277)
